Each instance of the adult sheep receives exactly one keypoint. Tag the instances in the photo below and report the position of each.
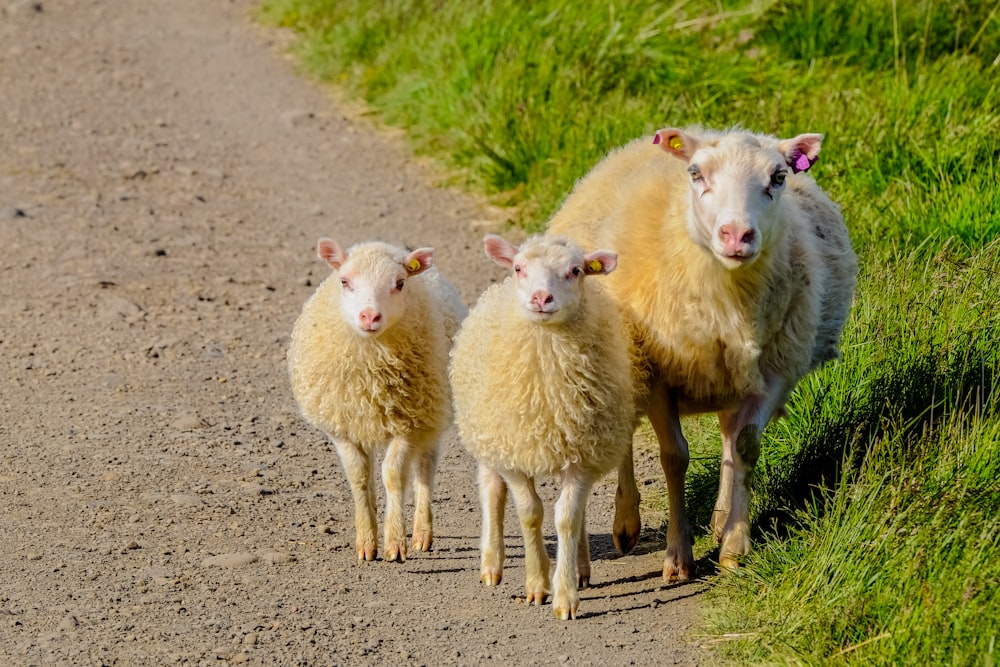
(738, 273)
(368, 363)
(542, 376)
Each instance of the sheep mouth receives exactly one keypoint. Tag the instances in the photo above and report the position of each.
(737, 259)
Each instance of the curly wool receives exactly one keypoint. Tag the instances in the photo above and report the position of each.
(370, 389)
(712, 333)
(536, 397)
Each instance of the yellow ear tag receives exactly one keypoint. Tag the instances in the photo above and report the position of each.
(675, 142)
(414, 265)
(595, 266)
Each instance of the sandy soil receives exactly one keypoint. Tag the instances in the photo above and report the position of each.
(164, 175)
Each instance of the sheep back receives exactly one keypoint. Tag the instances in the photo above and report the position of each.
(713, 333)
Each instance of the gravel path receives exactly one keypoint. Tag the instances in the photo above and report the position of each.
(164, 175)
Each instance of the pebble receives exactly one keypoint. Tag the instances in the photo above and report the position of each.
(111, 476)
(237, 559)
(68, 623)
(11, 212)
(34, 555)
(189, 499)
(277, 558)
(187, 422)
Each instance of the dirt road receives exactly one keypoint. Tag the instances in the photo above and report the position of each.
(164, 175)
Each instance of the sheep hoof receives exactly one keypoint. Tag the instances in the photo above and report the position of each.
(583, 581)
(729, 563)
(565, 613)
(395, 552)
(491, 577)
(677, 569)
(421, 541)
(626, 530)
(536, 597)
(367, 552)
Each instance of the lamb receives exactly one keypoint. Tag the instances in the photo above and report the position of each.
(368, 363)
(738, 276)
(542, 378)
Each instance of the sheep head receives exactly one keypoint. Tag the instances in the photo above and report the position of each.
(548, 273)
(736, 183)
(372, 281)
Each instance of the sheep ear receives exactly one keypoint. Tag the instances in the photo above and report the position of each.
(499, 250)
(801, 152)
(676, 142)
(600, 262)
(419, 261)
(330, 250)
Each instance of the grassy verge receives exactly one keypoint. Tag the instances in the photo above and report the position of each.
(876, 500)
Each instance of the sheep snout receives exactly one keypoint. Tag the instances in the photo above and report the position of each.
(738, 241)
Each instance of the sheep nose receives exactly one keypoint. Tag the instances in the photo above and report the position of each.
(541, 298)
(735, 237)
(369, 318)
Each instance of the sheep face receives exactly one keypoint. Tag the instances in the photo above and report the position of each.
(372, 282)
(736, 183)
(548, 274)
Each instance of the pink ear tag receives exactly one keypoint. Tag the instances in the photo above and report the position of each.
(802, 163)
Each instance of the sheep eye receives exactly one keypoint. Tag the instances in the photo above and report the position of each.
(518, 269)
(345, 284)
(576, 271)
(778, 177)
(399, 285)
(695, 172)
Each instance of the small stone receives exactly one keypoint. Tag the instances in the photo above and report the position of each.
(189, 499)
(277, 558)
(68, 623)
(323, 529)
(34, 555)
(111, 476)
(187, 422)
(11, 212)
(237, 559)
(250, 639)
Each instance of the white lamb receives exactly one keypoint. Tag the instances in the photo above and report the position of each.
(542, 376)
(738, 274)
(368, 363)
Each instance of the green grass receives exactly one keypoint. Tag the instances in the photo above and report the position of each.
(876, 500)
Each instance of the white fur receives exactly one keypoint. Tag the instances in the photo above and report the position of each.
(368, 366)
(543, 383)
(737, 274)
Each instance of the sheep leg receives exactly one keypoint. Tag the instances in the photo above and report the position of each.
(569, 516)
(741, 433)
(530, 513)
(725, 499)
(395, 469)
(423, 485)
(627, 525)
(583, 555)
(358, 466)
(493, 498)
(664, 415)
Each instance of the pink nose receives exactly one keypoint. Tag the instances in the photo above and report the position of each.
(540, 299)
(369, 318)
(737, 239)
